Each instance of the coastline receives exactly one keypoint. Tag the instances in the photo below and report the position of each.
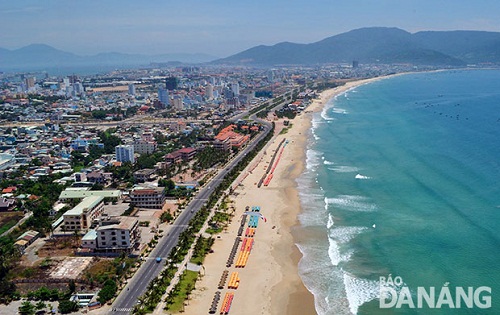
(270, 283)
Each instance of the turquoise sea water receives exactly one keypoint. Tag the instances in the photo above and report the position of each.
(402, 179)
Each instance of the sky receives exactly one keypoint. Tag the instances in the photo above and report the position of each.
(222, 27)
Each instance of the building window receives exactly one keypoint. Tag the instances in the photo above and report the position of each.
(114, 243)
(124, 243)
(103, 243)
(103, 238)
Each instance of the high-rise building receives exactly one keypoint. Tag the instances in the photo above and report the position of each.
(131, 89)
(177, 103)
(163, 96)
(355, 64)
(125, 153)
(235, 88)
(171, 83)
(30, 82)
(209, 91)
(78, 88)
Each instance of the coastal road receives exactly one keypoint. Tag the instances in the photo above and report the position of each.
(150, 269)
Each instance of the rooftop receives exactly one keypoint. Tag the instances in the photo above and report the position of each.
(70, 194)
(87, 203)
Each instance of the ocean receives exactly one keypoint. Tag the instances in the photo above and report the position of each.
(402, 183)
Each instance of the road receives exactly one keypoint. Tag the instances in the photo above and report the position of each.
(150, 269)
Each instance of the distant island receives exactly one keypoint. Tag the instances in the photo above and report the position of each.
(374, 45)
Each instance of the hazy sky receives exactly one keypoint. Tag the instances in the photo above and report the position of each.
(221, 27)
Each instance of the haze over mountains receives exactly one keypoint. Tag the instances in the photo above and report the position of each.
(366, 45)
(40, 56)
(381, 45)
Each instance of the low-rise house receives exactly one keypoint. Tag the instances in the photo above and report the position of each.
(174, 157)
(25, 240)
(144, 175)
(187, 154)
(7, 204)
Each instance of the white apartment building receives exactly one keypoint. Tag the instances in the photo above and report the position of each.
(145, 147)
(125, 153)
(113, 234)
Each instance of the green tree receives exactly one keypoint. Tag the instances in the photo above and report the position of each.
(26, 308)
(72, 286)
(109, 140)
(67, 306)
(107, 292)
(40, 305)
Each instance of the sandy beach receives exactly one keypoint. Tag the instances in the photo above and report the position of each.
(270, 282)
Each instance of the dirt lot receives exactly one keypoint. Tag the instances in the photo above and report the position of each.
(59, 246)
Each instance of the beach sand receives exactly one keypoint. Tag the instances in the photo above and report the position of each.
(270, 282)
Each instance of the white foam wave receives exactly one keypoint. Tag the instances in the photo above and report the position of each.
(344, 234)
(359, 176)
(344, 169)
(326, 162)
(334, 252)
(338, 110)
(359, 291)
(351, 203)
(330, 222)
(326, 108)
(316, 137)
(325, 116)
(312, 159)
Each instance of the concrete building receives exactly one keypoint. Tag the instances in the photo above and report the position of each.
(131, 89)
(118, 234)
(89, 240)
(235, 88)
(144, 175)
(125, 153)
(163, 97)
(70, 194)
(113, 234)
(150, 198)
(177, 103)
(80, 218)
(209, 91)
(80, 177)
(145, 147)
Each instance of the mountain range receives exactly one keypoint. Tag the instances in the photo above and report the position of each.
(381, 45)
(40, 56)
(366, 45)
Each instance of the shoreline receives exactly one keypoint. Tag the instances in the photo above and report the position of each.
(301, 300)
(270, 283)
